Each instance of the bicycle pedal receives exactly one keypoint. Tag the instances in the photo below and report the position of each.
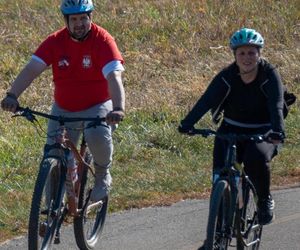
(42, 229)
(57, 240)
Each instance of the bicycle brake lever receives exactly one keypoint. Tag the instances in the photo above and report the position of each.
(30, 117)
(206, 133)
(15, 115)
(259, 138)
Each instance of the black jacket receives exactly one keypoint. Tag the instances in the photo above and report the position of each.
(219, 89)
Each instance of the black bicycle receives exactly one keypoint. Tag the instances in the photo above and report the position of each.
(233, 201)
(50, 204)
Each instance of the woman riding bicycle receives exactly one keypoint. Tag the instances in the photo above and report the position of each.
(86, 66)
(249, 92)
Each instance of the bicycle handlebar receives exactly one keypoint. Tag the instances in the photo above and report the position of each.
(229, 136)
(30, 114)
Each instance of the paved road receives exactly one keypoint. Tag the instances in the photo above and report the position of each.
(182, 227)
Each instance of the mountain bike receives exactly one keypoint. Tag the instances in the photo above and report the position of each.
(51, 204)
(233, 201)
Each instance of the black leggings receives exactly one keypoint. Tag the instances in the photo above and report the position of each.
(256, 157)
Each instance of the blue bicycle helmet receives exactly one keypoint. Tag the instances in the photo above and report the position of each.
(246, 36)
(71, 7)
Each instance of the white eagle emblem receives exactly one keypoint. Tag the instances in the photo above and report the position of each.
(86, 62)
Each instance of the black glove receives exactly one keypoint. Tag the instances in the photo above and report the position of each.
(10, 103)
(185, 129)
(276, 136)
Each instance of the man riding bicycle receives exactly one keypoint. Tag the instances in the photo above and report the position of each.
(249, 92)
(87, 67)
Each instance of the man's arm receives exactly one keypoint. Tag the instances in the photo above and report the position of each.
(117, 93)
(31, 71)
(116, 89)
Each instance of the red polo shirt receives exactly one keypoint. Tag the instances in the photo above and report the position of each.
(77, 67)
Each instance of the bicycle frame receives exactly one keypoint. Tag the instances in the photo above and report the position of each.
(65, 145)
(234, 175)
(79, 204)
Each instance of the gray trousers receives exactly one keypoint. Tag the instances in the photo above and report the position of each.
(99, 139)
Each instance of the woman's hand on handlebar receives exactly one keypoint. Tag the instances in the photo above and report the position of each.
(275, 137)
(186, 129)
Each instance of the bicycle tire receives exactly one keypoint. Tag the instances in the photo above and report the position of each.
(46, 205)
(88, 226)
(249, 231)
(217, 227)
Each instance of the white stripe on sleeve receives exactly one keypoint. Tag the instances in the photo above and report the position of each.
(34, 57)
(115, 65)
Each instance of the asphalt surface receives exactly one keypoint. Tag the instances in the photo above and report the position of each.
(182, 227)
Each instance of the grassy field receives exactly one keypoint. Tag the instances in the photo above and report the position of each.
(172, 49)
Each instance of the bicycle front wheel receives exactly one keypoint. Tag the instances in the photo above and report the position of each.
(46, 205)
(218, 220)
(249, 231)
(88, 226)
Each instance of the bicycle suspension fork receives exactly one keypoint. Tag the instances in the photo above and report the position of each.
(62, 211)
(233, 178)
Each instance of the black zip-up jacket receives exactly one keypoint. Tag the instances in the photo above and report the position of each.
(215, 96)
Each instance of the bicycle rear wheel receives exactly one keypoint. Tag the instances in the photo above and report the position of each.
(249, 231)
(219, 213)
(46, 205)
(88, 226)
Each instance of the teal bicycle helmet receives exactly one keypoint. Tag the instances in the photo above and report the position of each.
(71, 7)
(246, 36)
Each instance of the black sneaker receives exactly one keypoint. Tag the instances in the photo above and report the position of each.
(265, 210)
(202, 247)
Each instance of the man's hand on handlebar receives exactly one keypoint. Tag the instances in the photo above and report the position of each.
(10, 103)
(115, 116)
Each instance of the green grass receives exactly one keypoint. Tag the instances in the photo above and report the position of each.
(172, 49)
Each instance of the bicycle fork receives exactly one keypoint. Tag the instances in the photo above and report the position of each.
(62, 215)
(61, 220)
(60, 212)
